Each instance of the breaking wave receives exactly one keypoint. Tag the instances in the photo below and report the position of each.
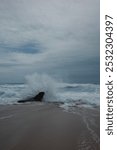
(55, 91)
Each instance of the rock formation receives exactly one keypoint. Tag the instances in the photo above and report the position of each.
(38, 97)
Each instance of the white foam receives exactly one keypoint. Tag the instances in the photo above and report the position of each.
(37, 83)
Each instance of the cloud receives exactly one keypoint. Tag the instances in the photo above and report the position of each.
(48, 35)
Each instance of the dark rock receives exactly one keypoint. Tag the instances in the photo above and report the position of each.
(38, 97)
(22, 101)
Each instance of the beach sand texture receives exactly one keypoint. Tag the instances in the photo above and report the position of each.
(42, 126)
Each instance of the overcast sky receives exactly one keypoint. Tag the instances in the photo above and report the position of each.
(55, 37)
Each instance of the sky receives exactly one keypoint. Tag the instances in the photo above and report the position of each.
(59, 38)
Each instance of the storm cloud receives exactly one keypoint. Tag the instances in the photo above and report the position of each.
(55, 37)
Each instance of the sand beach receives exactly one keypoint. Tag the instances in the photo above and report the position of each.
(41, 126)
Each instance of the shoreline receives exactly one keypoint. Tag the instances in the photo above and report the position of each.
(43, 126)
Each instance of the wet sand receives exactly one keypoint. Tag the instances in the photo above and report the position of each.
(48, 127)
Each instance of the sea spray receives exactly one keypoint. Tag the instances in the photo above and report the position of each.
(41, 83)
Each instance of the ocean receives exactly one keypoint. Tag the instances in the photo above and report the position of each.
(69, 95)
(66, 94)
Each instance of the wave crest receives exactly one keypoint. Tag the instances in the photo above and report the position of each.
(37, 83)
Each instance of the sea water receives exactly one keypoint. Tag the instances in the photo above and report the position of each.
(68, 94)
